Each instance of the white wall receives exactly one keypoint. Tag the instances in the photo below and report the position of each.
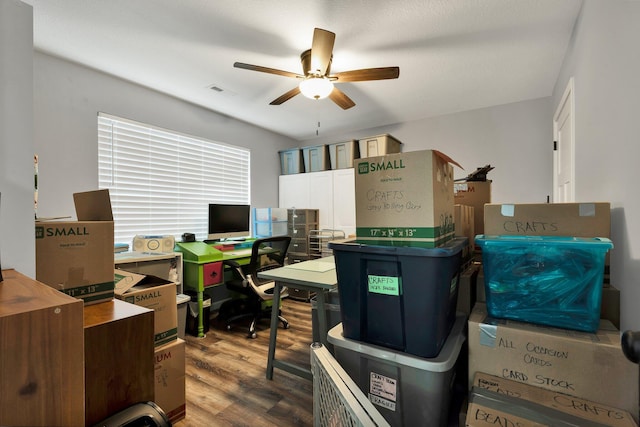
(603, 58)
(67, 100)
(17, 239)
(513, 138)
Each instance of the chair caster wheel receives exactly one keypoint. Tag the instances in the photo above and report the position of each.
(253, 335)
(286, 325)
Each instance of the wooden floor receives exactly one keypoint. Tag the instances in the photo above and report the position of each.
(225, 375)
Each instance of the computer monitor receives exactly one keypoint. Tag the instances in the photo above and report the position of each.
(228, 221)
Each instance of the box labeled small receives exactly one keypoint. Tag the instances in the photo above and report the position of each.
(405, 199)
(77, 257)
(154, 293)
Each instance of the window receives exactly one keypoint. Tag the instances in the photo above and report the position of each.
(161, 182)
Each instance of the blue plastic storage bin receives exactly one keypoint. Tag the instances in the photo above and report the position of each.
(554, 281)
(403, 298)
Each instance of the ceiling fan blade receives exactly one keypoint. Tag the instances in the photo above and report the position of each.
(366, 74)
(340, 98)
(321, 50)
(285, 97)
(266, 70)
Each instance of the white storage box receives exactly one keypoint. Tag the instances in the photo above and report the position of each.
(291, 161)
(316, 158)
(342, 154)
(379, 145)
(406, 389)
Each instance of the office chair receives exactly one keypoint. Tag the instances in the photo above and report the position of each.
(266, 253)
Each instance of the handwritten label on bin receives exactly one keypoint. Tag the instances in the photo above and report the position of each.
(385, 285)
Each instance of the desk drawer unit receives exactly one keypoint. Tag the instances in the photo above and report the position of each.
(302, 216)
(299, 246)
(212, 273)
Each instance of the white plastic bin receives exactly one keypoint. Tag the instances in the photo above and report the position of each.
(316, 158)
(407, 390)
(342, 154)
(379, 145)
(182, 301)
(291, 161)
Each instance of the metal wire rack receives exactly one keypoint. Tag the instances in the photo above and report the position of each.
(337, 400)
(319, 239)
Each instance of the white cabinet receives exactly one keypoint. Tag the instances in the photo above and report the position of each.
(331, 192)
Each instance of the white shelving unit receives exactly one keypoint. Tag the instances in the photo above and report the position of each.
(166, 265)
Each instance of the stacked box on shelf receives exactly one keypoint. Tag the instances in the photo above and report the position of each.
(463, 220)
(475, 194)
(291, 161)
(405, 199)
(316, 158)
(154, 293)
(379, 145)
(498, 401)
(342, 154)
(169, 375)
(76, 257)
(587, 365)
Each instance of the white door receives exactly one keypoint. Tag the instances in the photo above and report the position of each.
(564, 148)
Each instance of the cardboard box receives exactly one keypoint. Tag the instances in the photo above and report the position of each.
(497, 401)
(169, 372)
(463, 220)
(548, 219)
(610, 307)
(76, 257)
(405, 199)
(476, 194)
(154, 293)
(588, 365)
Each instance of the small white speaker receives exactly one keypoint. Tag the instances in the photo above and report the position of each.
(153, 243)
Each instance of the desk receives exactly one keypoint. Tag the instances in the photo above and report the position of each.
(318, 275)
(203, 267)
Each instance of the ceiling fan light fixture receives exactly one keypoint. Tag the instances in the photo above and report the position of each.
(316, 87)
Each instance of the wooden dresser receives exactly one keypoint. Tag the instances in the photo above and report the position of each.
(41, 354)
(118, 358)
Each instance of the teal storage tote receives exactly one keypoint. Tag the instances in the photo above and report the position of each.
(399, 297)
(553, 281)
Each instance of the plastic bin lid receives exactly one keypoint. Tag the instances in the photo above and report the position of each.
(449, 249)
(497, 240)
(443, 362)
(182, 298)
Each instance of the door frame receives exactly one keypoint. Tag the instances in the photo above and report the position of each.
(567, 100)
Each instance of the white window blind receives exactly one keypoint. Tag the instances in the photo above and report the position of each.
(161, 182)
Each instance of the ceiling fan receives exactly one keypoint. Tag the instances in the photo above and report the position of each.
(317, 82)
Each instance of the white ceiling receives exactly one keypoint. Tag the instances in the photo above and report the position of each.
(454, 55)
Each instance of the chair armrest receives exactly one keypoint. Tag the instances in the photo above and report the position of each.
(231, 263)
